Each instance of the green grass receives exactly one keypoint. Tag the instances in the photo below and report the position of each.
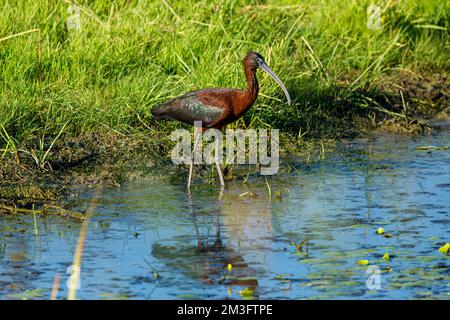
(132, 55)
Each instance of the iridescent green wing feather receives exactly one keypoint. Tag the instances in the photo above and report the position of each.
(187, 109)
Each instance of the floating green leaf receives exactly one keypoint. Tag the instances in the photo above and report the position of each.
(247, 292)
(283, 276)
(29, 294)
(444, 249)
(425, 148)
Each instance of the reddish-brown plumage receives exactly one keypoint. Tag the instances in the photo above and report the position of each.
(217, 107)
(234, 102)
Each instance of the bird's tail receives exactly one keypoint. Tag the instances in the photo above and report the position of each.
(158, 111)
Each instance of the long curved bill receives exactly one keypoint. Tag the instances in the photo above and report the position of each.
(266, 68)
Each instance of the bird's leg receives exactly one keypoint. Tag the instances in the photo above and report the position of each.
(219, 170)
(197, 140)
(222, 190)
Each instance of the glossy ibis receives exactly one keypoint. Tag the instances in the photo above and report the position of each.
(216, 108)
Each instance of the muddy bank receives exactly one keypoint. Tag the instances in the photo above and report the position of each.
(418, 97)
(73, 163)
(402, 103)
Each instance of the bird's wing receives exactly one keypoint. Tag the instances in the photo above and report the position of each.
(189, 108)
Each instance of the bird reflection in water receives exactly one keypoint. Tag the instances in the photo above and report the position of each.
(233, 254)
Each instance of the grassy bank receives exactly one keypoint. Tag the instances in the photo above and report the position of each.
(128, 56)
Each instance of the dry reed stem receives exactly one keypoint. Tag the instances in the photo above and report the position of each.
(75, 277)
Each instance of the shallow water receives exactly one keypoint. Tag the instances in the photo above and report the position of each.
(153, 241)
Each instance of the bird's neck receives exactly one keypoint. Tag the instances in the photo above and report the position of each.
(251, 92)
(252, 84)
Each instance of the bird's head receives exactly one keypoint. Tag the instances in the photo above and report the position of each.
(254, 60)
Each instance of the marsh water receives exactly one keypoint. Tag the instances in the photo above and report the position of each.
(154, 241)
